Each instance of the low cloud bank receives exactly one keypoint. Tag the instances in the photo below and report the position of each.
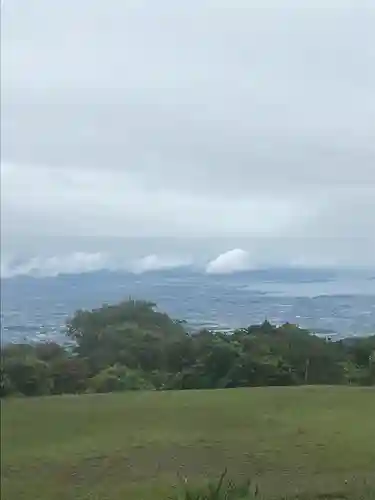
(77, 262)
(235, 260)
(82, 262)
(156, 263)
(232, 261)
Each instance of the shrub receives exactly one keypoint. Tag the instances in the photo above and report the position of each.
(118, 378)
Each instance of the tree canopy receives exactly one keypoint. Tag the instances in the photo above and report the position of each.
(132, 346)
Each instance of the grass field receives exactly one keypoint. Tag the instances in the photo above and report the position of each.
(134, 445)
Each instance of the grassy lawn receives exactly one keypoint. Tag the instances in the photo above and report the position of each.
(134, 445)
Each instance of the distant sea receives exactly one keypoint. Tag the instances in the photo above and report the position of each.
(329, 302)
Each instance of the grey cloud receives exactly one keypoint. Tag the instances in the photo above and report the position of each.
(209, 118)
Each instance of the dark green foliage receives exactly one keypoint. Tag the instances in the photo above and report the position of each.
(69, 375)
(132, 346)
(118, 378)
(131, 333)
(23, 373)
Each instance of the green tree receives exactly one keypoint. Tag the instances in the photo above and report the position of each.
(129, 333)
(69, 375)
(29, 376)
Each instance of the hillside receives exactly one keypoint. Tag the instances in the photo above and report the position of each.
(133, 445)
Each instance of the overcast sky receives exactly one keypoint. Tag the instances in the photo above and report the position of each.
(250, 124)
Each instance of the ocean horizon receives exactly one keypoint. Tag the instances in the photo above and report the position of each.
(333, 302)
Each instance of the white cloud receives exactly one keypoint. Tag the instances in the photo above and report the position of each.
(157, 263)
(77, 262)
(83, 262)
(235, 260)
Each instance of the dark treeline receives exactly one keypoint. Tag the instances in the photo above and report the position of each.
(132, 346)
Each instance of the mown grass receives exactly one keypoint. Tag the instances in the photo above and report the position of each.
(295, 442)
